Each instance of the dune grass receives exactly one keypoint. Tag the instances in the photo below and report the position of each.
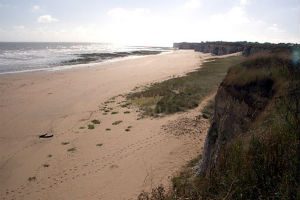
(182, 93)
(91, 126)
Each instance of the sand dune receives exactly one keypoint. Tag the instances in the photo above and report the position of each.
(107, 162)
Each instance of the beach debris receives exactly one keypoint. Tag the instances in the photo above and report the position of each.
(117, 122)
(46, 135)
(32, 178)
(72, 149)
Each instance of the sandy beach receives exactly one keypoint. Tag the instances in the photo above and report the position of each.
(108, 162)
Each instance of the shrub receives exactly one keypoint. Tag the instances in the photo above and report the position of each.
(95, 121)
(91, 126)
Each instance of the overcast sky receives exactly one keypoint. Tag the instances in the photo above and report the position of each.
(150, 22)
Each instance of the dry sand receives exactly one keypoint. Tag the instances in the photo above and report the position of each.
(71, 165)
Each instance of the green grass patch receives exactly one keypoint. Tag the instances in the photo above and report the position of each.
(99, 145)
(108, 129)
(126, 112)
(114, 112)
(182, 93)
(91, 126)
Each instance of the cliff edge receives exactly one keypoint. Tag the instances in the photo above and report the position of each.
(252, 150)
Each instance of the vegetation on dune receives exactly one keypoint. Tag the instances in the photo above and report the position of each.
(264, 161)
(96, 121)
(91, 126)
(182, 93)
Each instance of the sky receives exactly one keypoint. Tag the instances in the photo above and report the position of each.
(150, 22)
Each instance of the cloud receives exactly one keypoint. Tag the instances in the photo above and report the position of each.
(121, 13)
(275, 28)
(140, 26)
(244, 2)
(20, 27)
(192, 4)
(46, 19)
(36, 7)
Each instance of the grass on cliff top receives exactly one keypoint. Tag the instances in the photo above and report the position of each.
(262, 66)
(182, 93)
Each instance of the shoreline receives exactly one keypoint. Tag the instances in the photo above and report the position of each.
(83, 65)
(102, 159)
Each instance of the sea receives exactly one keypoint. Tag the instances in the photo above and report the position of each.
(16, 57)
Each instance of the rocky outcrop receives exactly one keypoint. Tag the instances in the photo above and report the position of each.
(236, 107)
